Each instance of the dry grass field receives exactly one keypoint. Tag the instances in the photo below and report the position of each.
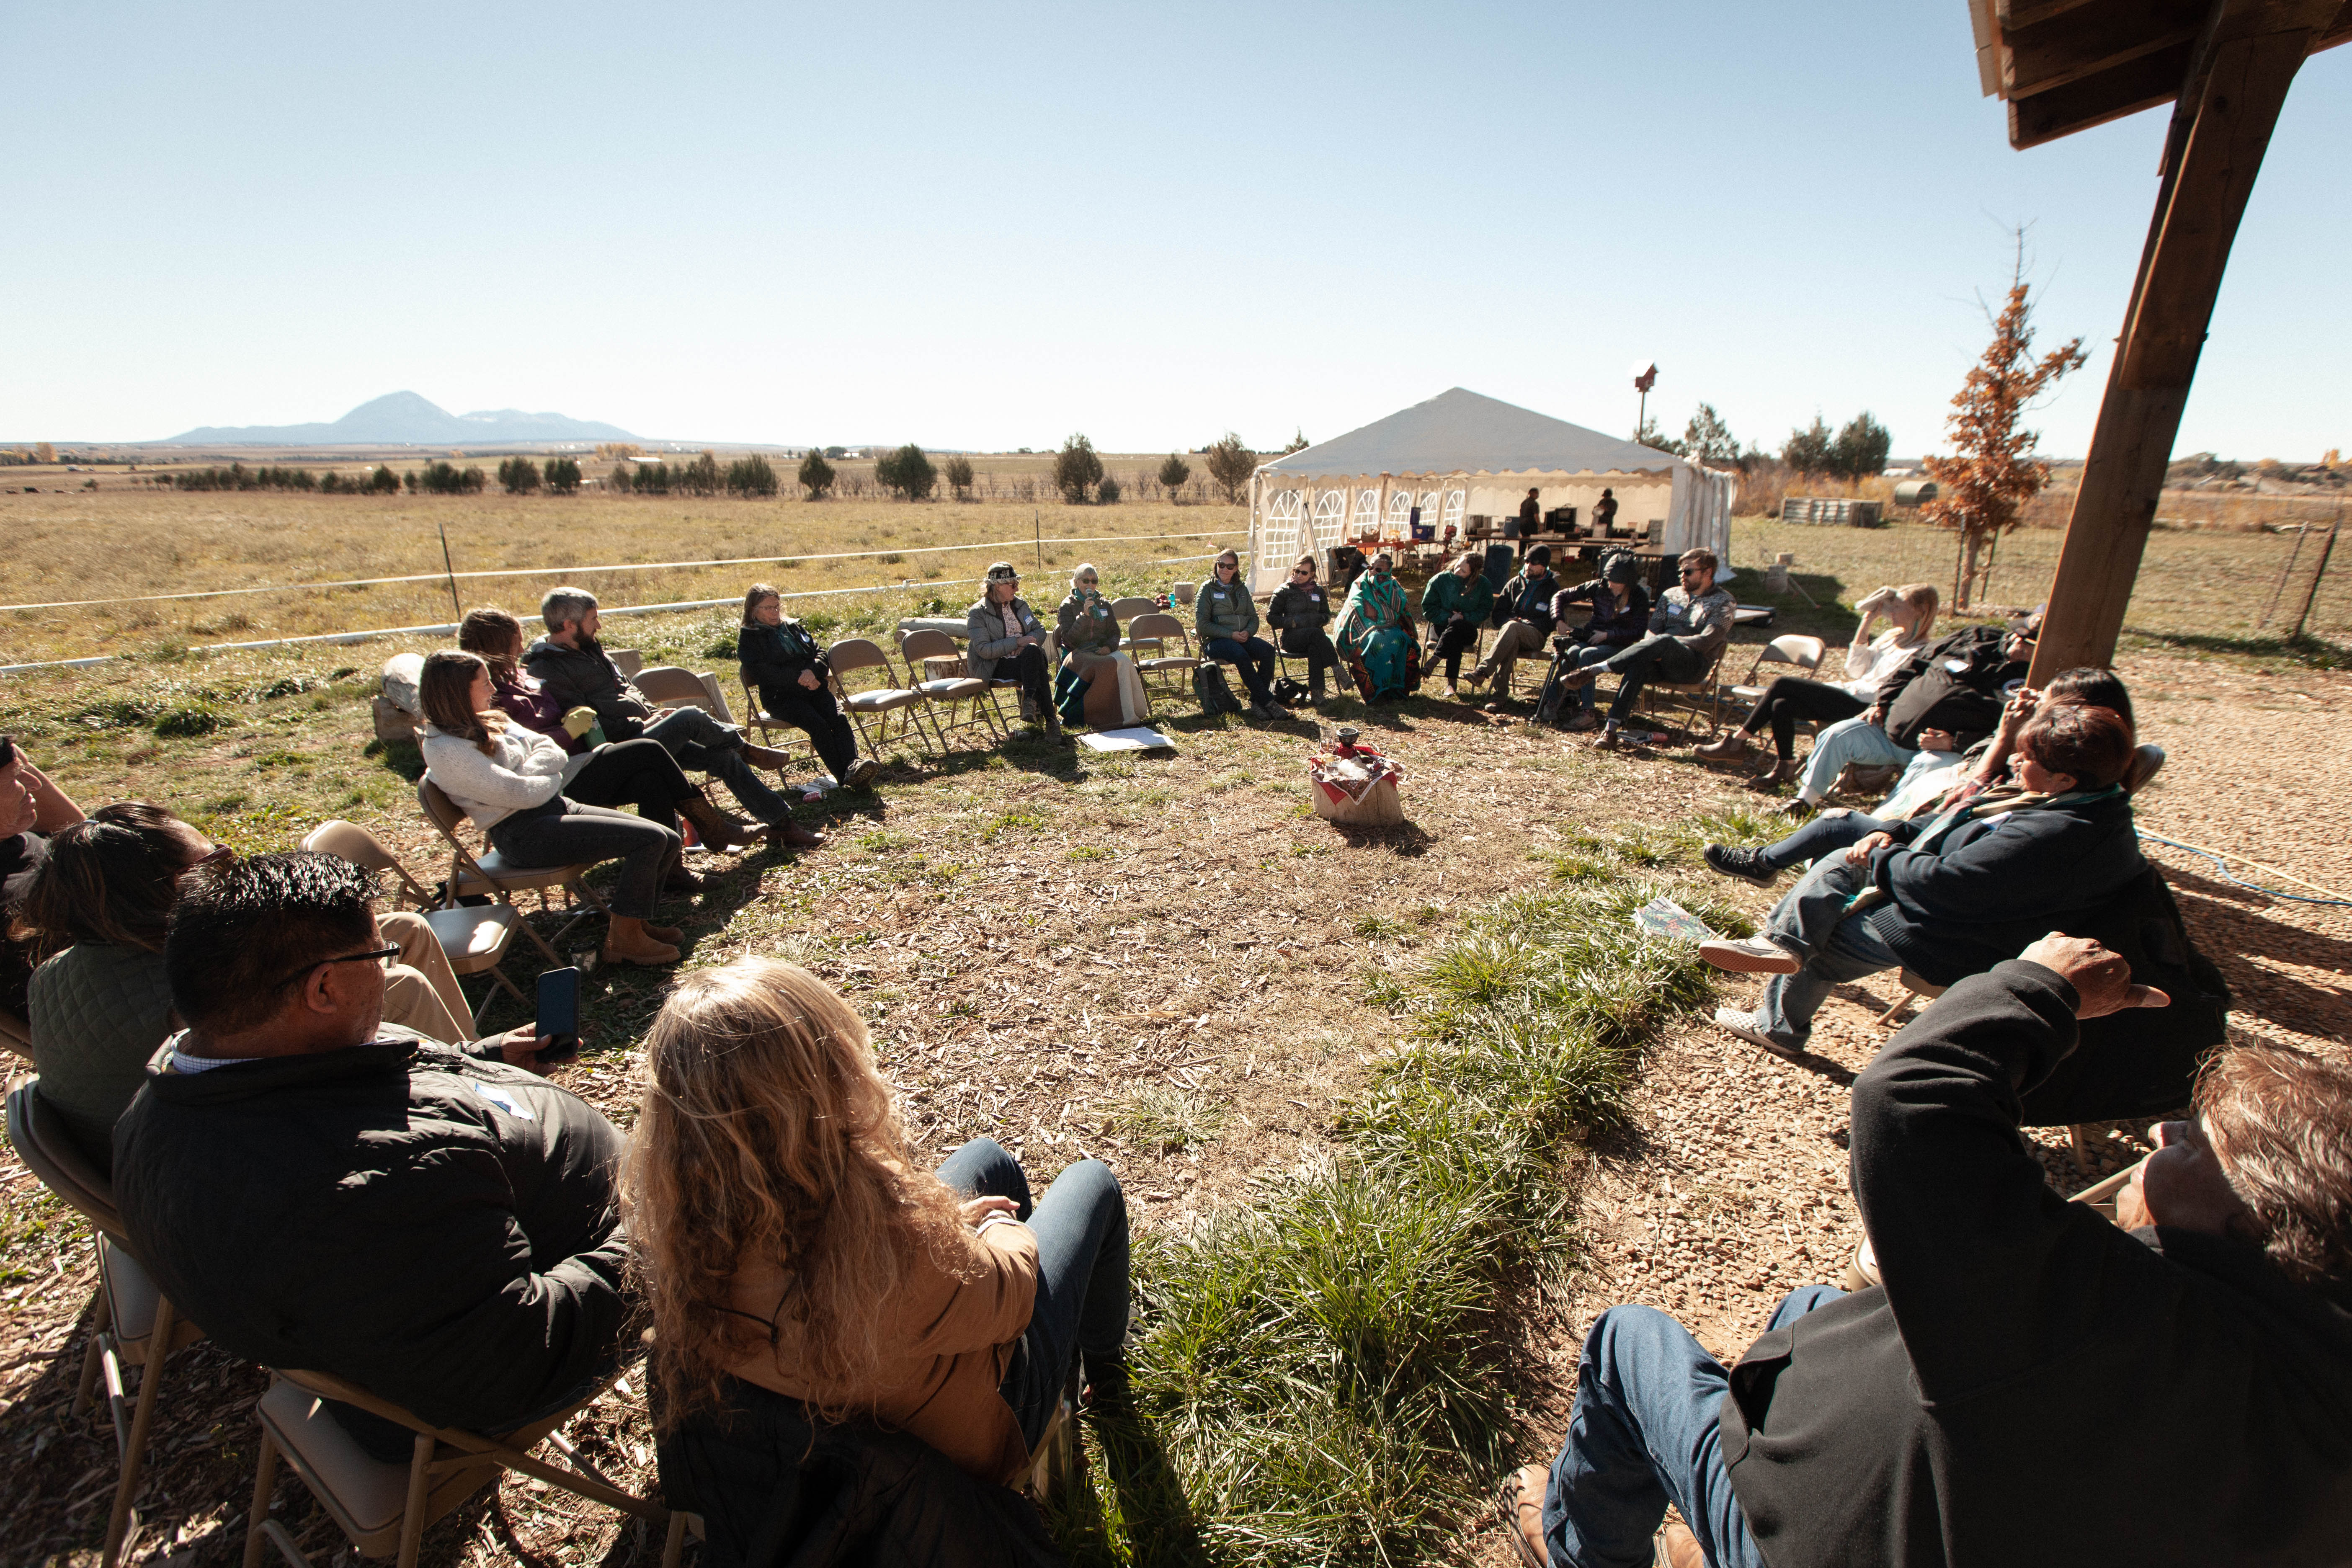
(1396, 1112)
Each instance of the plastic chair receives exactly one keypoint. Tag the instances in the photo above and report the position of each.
(493, 874)
(474, 937)
(853, 653)
(136, 1325)
(1161, 629)
(668, 686)
(980, 711)
(385, 1508)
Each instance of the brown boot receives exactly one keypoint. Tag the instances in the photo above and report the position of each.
(716, 829)
(1676, 1547)
(679, 879)
(1732, 746)
(627, 940)
(766, 757)
(1780, 770)
(792, 835)
(673, 935)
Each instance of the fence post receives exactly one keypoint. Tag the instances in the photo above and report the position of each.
(2325, 550)
(1037, 528)
(451, 568)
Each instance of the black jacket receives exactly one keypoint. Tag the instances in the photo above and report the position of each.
(1297, 609)
(1954, 683)
(441, 1230)
(775, 657)
(2032, 1384)
(1528, 599)
(777, 1490)
(1985, 887)
(587, 678)
(1611, 625)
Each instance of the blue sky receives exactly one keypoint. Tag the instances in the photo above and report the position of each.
(989, 226)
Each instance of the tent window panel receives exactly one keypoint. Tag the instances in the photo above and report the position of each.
(1286, 514)
(1454, 504)
(1330, 517)
(1399, 507)
(1368, 514)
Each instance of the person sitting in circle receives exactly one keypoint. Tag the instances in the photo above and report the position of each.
(1298, 615)
(1620, 618)
(1793, 699)
(1098, 686)
(786, 1239)
(1954, 896)
(1007, 642)
(1688, 630)
(1523, 618)
(510, 781)
(1224, 617)
(642, 773)
(1455, 604)
(787, 668)
(1376, 635)
(2030, 1384)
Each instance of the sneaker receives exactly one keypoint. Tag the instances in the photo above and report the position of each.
(1731, 1020)
(1583, 721)
(1751, 955)
(1611, 741)
(1747, 865)
(1277, 710)
(861, 772)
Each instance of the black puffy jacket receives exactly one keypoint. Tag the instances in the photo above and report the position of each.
(777, 1490)
(441, 1230)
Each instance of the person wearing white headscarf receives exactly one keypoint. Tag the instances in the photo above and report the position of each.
(1098, 685)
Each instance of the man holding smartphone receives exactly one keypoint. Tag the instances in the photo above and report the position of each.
(321, 1190)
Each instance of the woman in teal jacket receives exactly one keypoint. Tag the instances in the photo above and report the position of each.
(1456, 604)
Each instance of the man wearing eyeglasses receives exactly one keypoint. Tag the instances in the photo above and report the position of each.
(1688, 629)
(320, 1190)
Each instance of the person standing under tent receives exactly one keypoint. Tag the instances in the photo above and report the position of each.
(1605, 513)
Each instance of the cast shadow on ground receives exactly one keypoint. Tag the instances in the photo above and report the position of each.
(1146, 1494)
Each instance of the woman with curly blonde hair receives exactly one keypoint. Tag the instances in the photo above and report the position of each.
(784, 1240)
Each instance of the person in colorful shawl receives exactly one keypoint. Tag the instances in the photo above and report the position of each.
(1377, 641)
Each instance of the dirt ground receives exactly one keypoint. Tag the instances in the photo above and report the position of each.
(1038, 940)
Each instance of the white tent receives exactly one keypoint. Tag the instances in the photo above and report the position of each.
(1462, 455)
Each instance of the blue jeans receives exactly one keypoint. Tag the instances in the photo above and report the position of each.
(1847, 740)
(1081, 1307)
(1820, 836)
(1253, 658)
(1810, 922)
(1646, 1433)
(701, 742)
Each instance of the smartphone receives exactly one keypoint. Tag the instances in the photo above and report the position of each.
(8, 751)
(559, 1014)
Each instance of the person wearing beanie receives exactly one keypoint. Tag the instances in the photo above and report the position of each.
(1620, 609)
(1687, 633)
(1523, 619)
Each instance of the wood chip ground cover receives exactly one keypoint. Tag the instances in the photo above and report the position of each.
(1167, 963)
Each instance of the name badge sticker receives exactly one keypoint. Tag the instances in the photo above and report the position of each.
(504, 1098)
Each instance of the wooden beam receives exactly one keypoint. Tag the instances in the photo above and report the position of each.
(2094, 38)
(2237, 83)
(2030, 13)
(2139, 83)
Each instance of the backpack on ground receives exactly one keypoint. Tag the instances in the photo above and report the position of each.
(1289, 693)
(1210, 689)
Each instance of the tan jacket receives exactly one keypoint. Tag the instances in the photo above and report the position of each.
(957, 1343)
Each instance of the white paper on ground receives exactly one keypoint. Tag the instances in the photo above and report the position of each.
(817, 788)
(1135, 740)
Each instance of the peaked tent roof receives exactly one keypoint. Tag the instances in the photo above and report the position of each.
(1462, 432)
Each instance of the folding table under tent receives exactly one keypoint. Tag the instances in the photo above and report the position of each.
(1460, 455)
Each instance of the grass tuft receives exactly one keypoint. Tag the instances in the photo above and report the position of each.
(1164, 1119)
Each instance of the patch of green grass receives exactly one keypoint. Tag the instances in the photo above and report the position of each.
(1316, 1368)
(1378, 927)
(881, 841)
(1010, 822)
(1164, 1119)
(1088, 852)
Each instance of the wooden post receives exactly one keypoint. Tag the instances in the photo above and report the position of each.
(2311, 592)
(2238, 80)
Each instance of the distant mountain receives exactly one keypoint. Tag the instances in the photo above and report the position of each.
(404, 418)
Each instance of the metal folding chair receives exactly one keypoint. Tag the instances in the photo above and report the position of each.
(136, 1325)
(491, 874)
(1162, 628)
(852, 654)
(945, 693)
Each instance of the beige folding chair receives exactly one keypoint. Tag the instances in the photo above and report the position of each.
(852, 654)
(490, 873)
(474, 937)
(1914, 989)
(668, 686)
(1701, 699)
(945, 693)
(136, 1324)
(628, 660)
(1175, 670)
(1134, 604)
(2146, 759)
(16, 1035)
(385, 1508)
(1802, 652)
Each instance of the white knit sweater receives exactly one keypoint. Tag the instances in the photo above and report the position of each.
(525, 769)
